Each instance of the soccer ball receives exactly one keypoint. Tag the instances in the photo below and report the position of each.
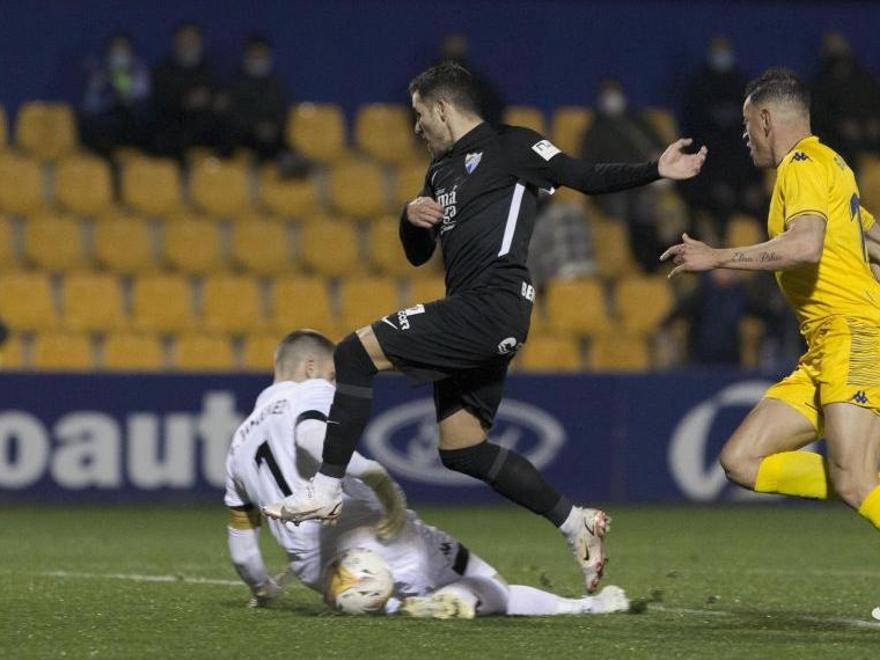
(358, 582)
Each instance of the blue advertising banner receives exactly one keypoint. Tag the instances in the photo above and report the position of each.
(120, 439)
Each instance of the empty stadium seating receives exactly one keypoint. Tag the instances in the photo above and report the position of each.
(62, 352)
(220, 187)
(329, 246)
(317, 130)
(301, 302)
(132, 352)
(357, 189)
(365, 299)
(192, 245)
(288, 197)
(642, 302)
(83, 185)
(27, 195)
(124, 244)
(27, 301)
(619, 351)
(162, 302)
(46, 130)
(92, 302)
(54, 243)
(9, 258)
(551, 353)
(262, 246)
(613, 255)
(384, 131)
(570, 124)
(151, 186)
(525, 116)
(232, 303)
(203, 353)
(577, 306)
(258, 352)
(425, 290)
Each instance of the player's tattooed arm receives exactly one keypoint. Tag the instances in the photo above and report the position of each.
(801, 244)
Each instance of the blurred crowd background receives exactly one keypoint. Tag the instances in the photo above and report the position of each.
(181, 212)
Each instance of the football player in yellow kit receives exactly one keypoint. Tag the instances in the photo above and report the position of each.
(820, 248)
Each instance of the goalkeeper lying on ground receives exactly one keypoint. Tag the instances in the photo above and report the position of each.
(278, 448)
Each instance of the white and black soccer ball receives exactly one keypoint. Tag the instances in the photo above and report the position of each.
(358, 582)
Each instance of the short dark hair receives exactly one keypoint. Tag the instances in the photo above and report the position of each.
(303, 340)
(449, 81)
(779, 84)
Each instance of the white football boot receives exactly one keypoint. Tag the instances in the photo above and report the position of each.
(610, 599)
(442, 605)
(321, 499)
(586, 544)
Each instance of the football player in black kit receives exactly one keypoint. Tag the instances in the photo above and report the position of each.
(478, 202)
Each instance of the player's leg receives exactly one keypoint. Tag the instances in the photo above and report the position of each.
(466, 405)
(762, 453)
(529, 601)
(853, 439)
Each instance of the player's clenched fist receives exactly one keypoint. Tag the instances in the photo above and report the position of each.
(424, 212)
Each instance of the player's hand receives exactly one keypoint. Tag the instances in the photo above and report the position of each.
(691, 256)
(424, 212)
(391, 495)
(676, 164)
(266, 594)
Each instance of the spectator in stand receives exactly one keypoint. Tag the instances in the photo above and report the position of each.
(114, 107)
(712, 115)
(713, 310)
(184, 95)
(456, 48)
(256, 103)
(846, 101)
(561, 246)
(618, 136)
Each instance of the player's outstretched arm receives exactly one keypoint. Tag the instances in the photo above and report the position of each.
(675, 164)
(801, 244)
(243, 532)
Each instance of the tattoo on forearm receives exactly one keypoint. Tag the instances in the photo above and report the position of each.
(741, 258)
(767, 257)
(763, 257)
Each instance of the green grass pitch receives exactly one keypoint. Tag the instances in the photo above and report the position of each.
(746, 582)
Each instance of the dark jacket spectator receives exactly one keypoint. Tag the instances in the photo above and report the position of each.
(616, 135)
(256, 103)
(184, 95)
(712, 116)
(846, 101)
(114, 107)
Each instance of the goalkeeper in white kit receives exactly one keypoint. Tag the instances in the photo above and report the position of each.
(277, 449)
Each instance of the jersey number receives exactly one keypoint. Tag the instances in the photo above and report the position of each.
(264, 453)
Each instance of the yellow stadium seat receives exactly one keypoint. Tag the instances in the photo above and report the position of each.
(366, 299)
(642, 302)
(26, 195)
(570, 124)
(619, 352)
(232, 303)
(9, 258)
(545, 353)
(262, 246)
(124, 245)
(525, 116)
(192, 245)
(258, 352)
(577, 306)
(83, 185)
(92, 302)
(357, 189)
(869, 182)
(46, 130)
(203, 353)
(4, 129)
(663, 122)
(408, 183)
(425, 290)
(152, 186)
(220, 187)
(26, 301)
(386, 251)
(744, 230)
(317, 131)
(12, 354)
(288, 197)
(613, 255)
(384, 131)
(302, 302)
(54, 242)
(62, 352)
(162, 303)
(330, 247)
(133, 352)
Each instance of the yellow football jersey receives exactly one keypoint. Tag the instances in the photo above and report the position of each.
(813, 179)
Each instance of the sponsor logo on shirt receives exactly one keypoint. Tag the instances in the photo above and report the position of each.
(509, 345)
(528, 292)
(471, 161)
(800, 156)
(545, 149)
(448, 201)
(403, 317)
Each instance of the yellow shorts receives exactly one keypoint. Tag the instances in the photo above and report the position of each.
(841, 365)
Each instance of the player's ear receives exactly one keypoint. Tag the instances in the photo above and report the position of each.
(441, 107)
(766, 121)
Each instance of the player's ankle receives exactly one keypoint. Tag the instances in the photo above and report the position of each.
(572, 522)
(326, 483)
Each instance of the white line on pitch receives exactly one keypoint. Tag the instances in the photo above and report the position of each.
(843, 621)
(135, 577)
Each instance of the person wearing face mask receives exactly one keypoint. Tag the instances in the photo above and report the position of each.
(711, 112)
(256, 102)
(113, 111)
(846, 101)
(616, 135)
(184, 95)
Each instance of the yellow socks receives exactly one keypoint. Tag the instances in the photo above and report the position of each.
(870, 507)
(799, 473)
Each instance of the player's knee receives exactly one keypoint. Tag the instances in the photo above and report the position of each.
(739, 465)
(848, 486)
(476, 461)
(353, 363)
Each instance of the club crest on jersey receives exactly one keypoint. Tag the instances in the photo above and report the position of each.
(471, 161)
